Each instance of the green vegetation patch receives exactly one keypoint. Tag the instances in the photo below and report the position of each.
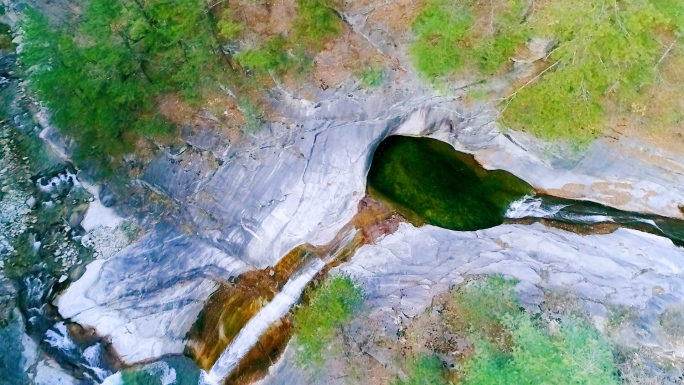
(101, 77)
(424, 370)
(511, 346)
(430, 181)
(372, 77)
(317, 21)
(450, 34)
(604, 56)
(330, 306)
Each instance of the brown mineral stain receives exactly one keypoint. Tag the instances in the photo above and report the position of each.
(234, 304)
(568, 191)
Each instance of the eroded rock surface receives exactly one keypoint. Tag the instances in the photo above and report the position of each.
(148, 296)
(301, 183)
(405, 271)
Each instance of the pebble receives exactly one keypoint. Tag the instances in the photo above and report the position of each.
(5, 189)
(31, 202)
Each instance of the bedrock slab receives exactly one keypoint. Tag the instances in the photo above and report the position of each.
(300, 183)
(405, 270)
(147, 297)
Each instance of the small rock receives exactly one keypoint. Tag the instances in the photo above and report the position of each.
(31, 202)
(107, 197)
(62, 278)
(5, 189)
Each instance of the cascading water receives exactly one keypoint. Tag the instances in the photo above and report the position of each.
(93, 357)
(250, 334)
(59, 339)
(530, 206)
(589, 213)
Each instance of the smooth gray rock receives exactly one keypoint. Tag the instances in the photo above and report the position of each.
(107, 196)
(405, 270)
(147, 297)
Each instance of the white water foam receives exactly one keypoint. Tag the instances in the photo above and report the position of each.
(588, 218)
(532, 207)
(57, 180)
(166, 373)
(93, 358)
(60, 339)
(114, 379)
(249, 335)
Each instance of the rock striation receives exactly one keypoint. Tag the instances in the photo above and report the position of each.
(147, 297)
(296, 183)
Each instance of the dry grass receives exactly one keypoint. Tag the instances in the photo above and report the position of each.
(657, 118)
(344, 57)
(397, 15)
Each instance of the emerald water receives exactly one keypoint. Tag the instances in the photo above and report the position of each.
(427, 180)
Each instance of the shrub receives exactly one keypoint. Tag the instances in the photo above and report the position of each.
(372, 77)
(316, 22)
(330, 306)
(511, 347)
(424, 370)
(439, 28)
(227, 28)
(102, 85)
(672, 321)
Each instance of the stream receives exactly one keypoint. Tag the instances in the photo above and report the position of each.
(416, 176)
(424, 180)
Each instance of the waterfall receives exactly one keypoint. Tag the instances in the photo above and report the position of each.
(249, 335)
(60, 339)
(93, 358)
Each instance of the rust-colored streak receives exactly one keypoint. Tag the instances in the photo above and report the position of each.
(234, 304)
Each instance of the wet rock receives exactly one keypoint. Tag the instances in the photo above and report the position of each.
(107, 196)
(31, 202)
(48, 372)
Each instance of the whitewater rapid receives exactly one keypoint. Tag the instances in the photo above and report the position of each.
(250, 334)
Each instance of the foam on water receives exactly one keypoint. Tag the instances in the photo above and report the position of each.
(60, 339)
(249, 335)
(57, 180)
(114, 379)
(166, 373)
(93, 357)
(532, 207)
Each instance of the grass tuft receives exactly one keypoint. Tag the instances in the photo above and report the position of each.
(330, 306)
